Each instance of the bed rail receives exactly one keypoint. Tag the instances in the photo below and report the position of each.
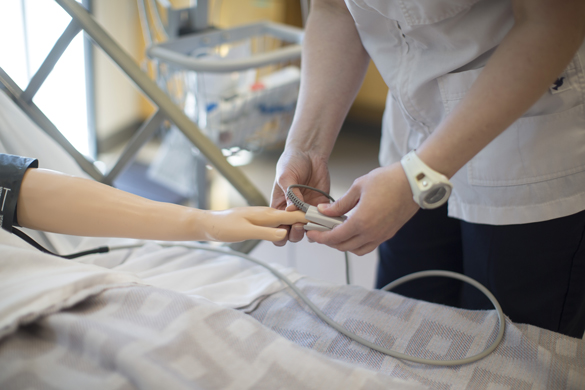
(38, 117)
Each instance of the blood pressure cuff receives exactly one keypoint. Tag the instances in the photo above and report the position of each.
(12, 170)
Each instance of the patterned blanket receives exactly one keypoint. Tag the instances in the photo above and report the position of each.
(146, 319)
(527, 358)
(151, 338)
(139, 336)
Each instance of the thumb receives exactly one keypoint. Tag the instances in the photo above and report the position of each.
(341, 205)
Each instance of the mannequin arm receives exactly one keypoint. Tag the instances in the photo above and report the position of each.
(55, 202)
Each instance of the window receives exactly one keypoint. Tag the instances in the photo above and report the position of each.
(28, 31)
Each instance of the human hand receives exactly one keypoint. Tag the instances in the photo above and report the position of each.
(298, 167)
(249, 223)
(382, 203)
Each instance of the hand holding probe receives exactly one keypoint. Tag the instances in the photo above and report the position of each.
(318, 221)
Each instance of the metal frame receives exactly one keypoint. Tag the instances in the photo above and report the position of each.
(177, 51)
(167, 110)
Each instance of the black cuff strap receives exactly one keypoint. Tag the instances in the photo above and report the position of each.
(12, 170)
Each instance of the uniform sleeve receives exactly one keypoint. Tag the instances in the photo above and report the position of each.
(12, 170)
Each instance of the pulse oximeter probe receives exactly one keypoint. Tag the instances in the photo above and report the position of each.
(317, 221)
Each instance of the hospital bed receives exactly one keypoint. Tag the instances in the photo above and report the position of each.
(171, 315)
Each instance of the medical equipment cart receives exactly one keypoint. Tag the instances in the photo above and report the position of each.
(239, 85)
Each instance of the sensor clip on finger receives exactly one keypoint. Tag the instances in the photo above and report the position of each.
(318, 221)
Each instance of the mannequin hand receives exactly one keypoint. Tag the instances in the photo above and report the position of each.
(249, 223)
(382, 203)
(298, 167)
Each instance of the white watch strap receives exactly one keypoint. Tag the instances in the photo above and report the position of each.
(430, 189)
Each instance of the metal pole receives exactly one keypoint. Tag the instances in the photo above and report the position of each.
(47, 66)
(90, 88)
(141, 137)
(46, 125)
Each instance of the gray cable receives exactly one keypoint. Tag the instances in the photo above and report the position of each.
(502, 324)
(305, 206)
(347, 270)
(474, 283)
(296, 200)
(353, 336)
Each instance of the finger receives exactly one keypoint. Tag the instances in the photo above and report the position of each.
(287, 218)
(269, 217)
(267, 233)
(279, 234)
(331, 238)
(284, 240)
(297, 232)
(339, 234)
(353, 244)
(365, 249)
(341, 205)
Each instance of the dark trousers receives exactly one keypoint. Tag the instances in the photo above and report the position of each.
(535, 270)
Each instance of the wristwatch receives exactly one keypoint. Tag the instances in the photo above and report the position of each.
(430, 189)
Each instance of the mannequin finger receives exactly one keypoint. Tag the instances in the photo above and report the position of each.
(268, 217)
(267, 233)
(287, 218)
(284, 240)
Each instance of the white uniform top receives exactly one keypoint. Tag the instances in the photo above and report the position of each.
(429, 52)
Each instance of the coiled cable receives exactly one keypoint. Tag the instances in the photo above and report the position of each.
(388, 287)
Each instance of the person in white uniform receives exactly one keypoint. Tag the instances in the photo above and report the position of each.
(486, 104)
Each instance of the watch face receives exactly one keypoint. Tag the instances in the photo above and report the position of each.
(435, 196)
